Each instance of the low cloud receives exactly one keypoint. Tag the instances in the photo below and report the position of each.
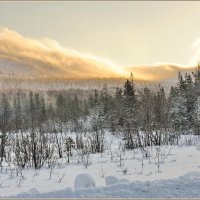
(159, 71)
(49, 57)
(46, 57)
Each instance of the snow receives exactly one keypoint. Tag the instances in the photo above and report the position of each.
(186, 186)
(124, 180)
(178, 175)
(84, 181)
(110, 180)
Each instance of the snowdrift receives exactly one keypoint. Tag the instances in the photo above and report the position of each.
(186, 186)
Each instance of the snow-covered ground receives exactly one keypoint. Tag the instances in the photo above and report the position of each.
(187, 186)
(177, 174)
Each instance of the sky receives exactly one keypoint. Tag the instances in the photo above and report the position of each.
(127, 33)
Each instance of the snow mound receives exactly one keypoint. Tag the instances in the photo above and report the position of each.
(33, 191)
(110, 180)
(84, 181)
(124, 180)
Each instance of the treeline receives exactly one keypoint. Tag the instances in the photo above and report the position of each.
(34, 129)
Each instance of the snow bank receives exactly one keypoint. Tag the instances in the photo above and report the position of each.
(186, 186)
(84, 181)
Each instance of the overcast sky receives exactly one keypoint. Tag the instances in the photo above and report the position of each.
(127, 33)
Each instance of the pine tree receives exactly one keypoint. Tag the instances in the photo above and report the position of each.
(173, 109)
(130, 114)
(61, 111)
(178, 106)
(32, 112)
(196, 117)
(118, 110)
(17, 114)
(5, 124)
(146, 108)
(51, 118)
(196, 76)
(159, 115)
(190, 99)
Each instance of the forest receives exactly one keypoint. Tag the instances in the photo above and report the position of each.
(35, 127)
